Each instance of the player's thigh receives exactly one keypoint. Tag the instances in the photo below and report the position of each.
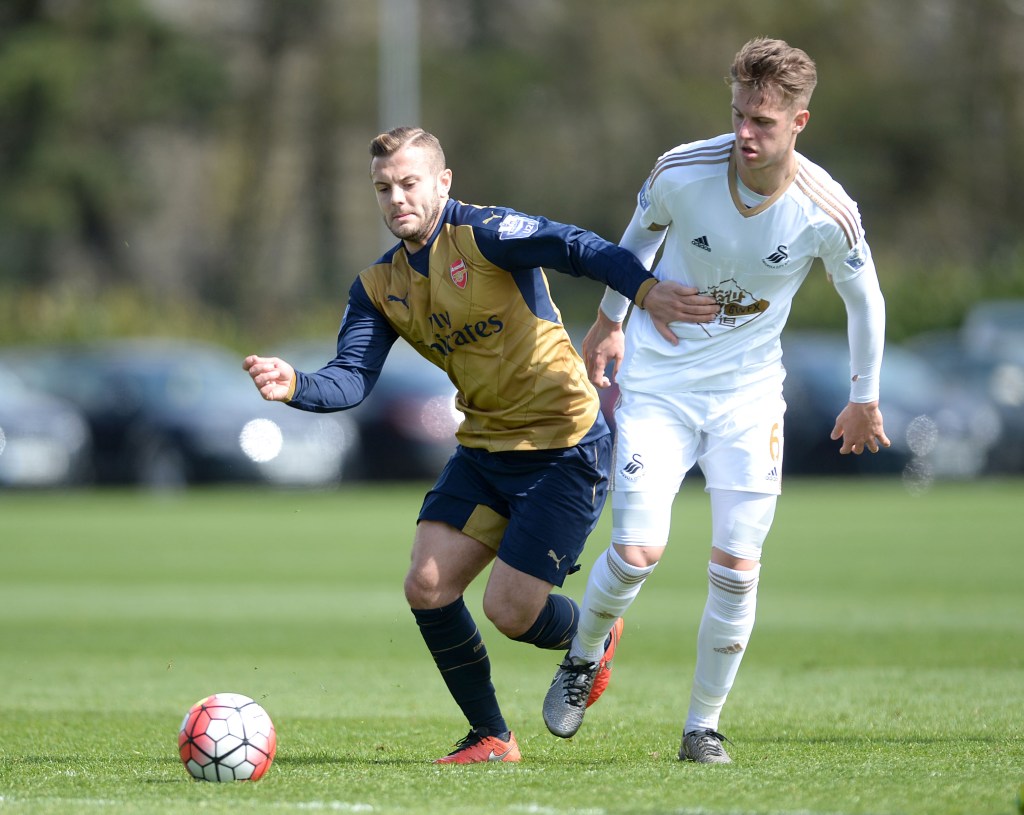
(740, 523)
(556, 498)
(656, 444)
(656, 441)
(459, 529)
(467, 498)
(743, 441)
(513, 599)
(534, 509)
(444, 562)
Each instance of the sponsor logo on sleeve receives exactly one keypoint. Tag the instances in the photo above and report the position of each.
(856, 259)
(517, 226)
(644, 199)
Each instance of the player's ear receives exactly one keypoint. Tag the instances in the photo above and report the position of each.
(444, 182)
(800, 120)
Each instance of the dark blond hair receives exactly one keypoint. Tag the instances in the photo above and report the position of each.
(389, 143)
(775, 71)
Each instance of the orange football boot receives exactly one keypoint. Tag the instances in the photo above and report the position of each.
(476, 749)
(604, 667)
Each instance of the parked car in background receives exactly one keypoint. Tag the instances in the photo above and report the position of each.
(936, 431)
(995, 371)
(44, 441)
(994, 329)
(168, 413)
(407, 424)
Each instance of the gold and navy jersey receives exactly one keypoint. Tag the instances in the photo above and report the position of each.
(475, 302)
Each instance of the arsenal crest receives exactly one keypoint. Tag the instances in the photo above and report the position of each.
(459, 273)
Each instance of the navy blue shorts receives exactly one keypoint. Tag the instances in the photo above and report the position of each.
(534, 508)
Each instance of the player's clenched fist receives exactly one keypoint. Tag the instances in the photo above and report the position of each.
(274, 378)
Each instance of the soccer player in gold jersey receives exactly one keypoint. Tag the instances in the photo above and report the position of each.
(525, 486)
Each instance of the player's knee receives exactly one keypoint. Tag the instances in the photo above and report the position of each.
(642, 557)
(511, 619)
(421, 589)
(511, 607)
(641, 519)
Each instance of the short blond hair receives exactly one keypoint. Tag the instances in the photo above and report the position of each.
(389, 143)
(775, 70)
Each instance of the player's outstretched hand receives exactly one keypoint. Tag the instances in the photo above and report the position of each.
(860, 427)
(605, 341)
(274, 377)
(672, 302)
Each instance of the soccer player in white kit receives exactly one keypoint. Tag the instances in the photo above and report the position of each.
(740, 218)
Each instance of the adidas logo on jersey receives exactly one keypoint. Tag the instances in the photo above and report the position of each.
(702, 243)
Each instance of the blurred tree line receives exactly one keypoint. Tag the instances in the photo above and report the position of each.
(200, 168)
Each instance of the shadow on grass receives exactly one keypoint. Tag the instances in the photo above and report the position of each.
(877, 741)
(364, 760)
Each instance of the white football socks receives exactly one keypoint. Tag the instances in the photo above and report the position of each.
(611, 588)
(721, 642)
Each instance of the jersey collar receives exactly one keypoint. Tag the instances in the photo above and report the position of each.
(750, 212)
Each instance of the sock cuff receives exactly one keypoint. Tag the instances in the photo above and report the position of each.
(731, 587)
(433, 616)
(555, 625)
(626, 572)
(723, 574)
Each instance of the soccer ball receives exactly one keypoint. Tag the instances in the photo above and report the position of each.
(227, 737)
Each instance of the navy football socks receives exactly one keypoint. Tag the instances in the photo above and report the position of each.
(556, 624)
(458, 649)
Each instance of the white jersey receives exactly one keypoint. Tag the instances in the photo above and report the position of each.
(749, 252)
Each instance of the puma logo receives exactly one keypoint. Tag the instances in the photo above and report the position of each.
(491, 217)
(394, 298)
(558, 560)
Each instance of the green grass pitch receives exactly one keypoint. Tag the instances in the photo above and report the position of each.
(885, 675)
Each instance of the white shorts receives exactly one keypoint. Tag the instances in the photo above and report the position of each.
(735, 436)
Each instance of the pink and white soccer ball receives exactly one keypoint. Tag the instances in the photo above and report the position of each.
(227, 737)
